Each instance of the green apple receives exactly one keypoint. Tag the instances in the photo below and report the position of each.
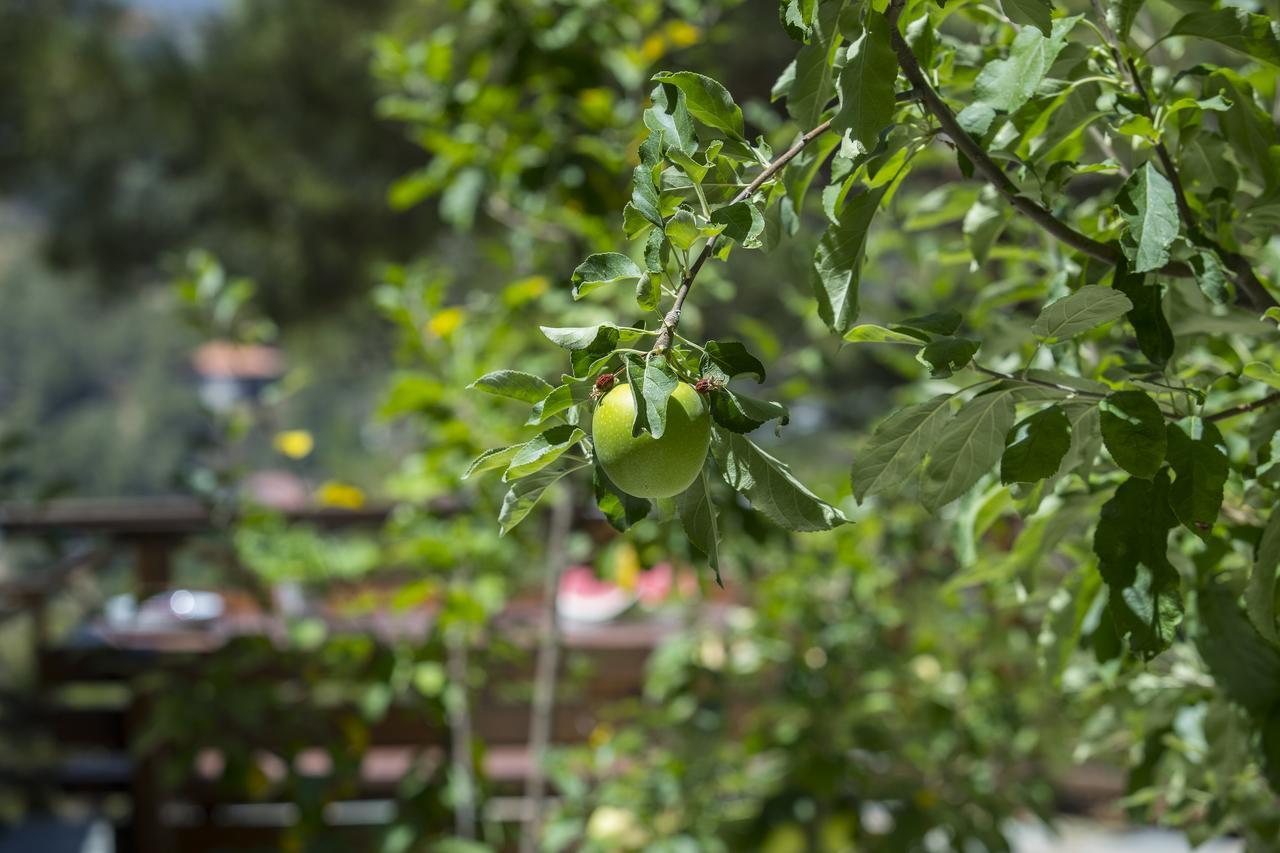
(642, 465)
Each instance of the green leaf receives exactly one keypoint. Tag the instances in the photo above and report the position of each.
(524, 495)
(813, 85)
(603, 337)
(682, 230)
(1200, 470)
(742, 414)
(648, 294)
(1131, 541)
(734, 359)
(1087, 308)
(561, 398)
(1150, 214)
(1212, 278)
(1127, 12)
(1254, 35)
(698, 517)
(669, 118)
(515, 384)
(659, 381)
(947, 355)
(621, 509)
(541, 450)
(644, 194)
(604, 268)
(868, 333)
(1037, 447)
(1244, 664)
(742, 221)
(837, 263)
(1133, 432)
(982, 226)
(770, 486)
(1260, 595)
(707, 101)
(1263, 373)
(899, 446)
(866, 86)
(970, 444)
(495, 457)
(1150, 326)
(937, 323)
(1032, 13)
(1006, 84)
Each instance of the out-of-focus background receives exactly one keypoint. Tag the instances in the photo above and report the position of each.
(251, 255)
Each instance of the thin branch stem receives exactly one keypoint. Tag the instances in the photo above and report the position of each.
(672, 320)
(1043, 383)
(1245, 408)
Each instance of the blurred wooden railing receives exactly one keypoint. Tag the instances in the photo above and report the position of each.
(95, 744)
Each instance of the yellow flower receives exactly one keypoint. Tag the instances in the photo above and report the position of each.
(682, 34)
(341, 495)
(445, 323)
(525, 290)
(653, 47)
(294, 443)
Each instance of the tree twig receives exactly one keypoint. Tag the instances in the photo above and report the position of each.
(546, 669)
(1244, 408)
(672, 320)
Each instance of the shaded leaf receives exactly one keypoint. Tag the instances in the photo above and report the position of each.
(1085, 309)
(742, 221)
(1150, 326)
(947, 355)
(698, 517)
(813, 85)
(669, 118)
(524, 495)
(734, 359)
(1244, 664)
(1200, 471)
(1260, 595)
(866, 86)
(837, 263)
(899, 446)
(969, 445)
(1133, 432)
(770, 486)
(604, 268)
(621, 509)
(1032, 13)
(541, 450)
(1131, 541)
(707, 101)
(740, 413)
(1150, 214)
(1251, 34)
(1037, 447)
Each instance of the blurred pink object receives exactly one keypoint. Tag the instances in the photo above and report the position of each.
(583, 597)
(656, 585)
(277, 489)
